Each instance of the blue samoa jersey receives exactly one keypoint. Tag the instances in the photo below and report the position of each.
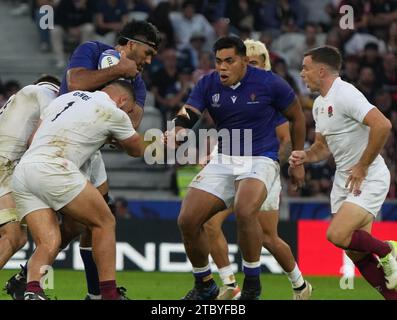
(87, 56)
(255, 103)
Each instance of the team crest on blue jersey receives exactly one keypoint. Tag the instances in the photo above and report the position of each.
(215, 100)
(234, 98)
(330, 111)
(253, 97)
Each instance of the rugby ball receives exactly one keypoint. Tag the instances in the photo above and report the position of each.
(108, 59)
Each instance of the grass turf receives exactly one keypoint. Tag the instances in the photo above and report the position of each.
(70, 285)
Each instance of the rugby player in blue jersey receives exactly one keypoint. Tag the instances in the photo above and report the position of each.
(268, 215)
(237, 96)
(137, 43)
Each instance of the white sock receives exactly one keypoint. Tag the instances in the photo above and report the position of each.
(295, 277)
(202, 269)
(227, 275)
(251, 265)
(348, 267)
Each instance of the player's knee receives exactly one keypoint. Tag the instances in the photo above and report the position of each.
(22, 239)
(16, 237)
(337, 237)
(50, 245)
(212, 229)
(186, 225)
(109, 221)
(244, 213)
(105, 220)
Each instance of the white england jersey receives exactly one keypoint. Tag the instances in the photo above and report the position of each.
(19, 117)
(339, 118)
(75, 125)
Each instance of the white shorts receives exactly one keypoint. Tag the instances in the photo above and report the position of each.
(219, 175)
(94, 169)
(46, 185)
(374, 190)
(272, 201)
(6, 170)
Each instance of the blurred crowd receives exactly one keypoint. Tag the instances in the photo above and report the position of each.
(287, 27)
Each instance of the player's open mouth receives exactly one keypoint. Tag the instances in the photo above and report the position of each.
(224, 77)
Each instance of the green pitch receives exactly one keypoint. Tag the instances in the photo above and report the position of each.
(70, 285)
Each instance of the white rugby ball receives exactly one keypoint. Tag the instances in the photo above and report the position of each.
(108, 59)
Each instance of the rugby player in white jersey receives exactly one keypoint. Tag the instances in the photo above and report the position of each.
(63, 142)
(18, 118)
(354, 132)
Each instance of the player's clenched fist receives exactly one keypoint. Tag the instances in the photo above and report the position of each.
(127, 68)
(297, 158)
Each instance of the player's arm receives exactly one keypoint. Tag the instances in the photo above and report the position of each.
(136, 116)
(33, 133)
(81, 78)
(295, 116)
(380, 128)
(318, 151)
(186, 118)
(379, 132)
(134, 145)
(284, 137)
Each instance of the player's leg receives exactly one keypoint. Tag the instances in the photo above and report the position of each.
(90, 268)
(368, 265)
(250, 194)
(13, 236)
(281, 251)
(346, 231)
(95, 171)
(220, 254)
(197, 207)
(90, 208)
(44, 228)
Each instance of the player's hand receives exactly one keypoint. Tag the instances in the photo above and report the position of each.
(297, 176)
(356, 177)
(127, 68)
(297, 158)
(173, 138)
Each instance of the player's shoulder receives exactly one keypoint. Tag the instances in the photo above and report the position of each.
(32, 90)
(95, 46)
(344, 86)
(345, 93)
(209, 79)
(268, 78)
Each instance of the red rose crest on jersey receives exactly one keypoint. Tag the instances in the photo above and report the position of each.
(330, 111)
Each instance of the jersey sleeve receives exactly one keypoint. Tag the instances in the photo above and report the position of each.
(140, 90)
(355, 104)
(120, 125)
(84, 57)
(44, 98)
(315, 115)
(283, 94)
(280, 119)
(197, 96)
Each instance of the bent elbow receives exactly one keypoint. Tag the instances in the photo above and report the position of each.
(72, 85)
(137, 152)
(388, 126)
